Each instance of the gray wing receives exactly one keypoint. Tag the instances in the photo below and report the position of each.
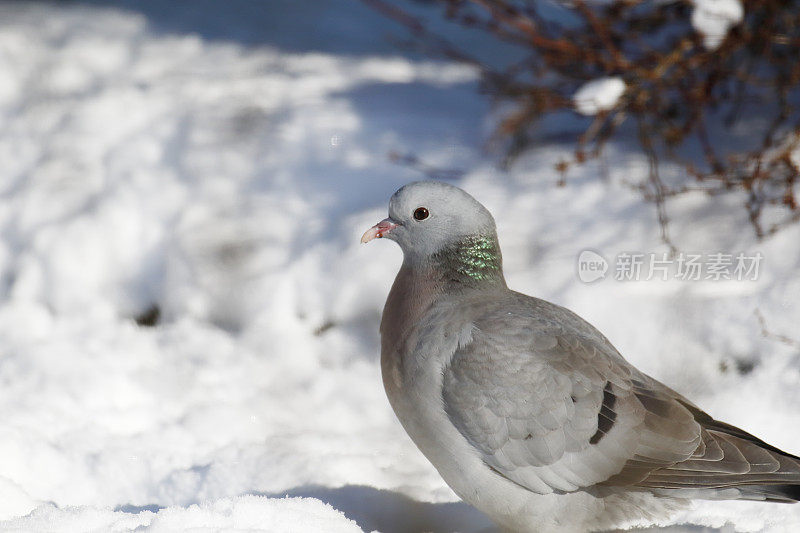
(552, 406)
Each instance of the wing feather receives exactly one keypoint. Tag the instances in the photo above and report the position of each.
(551, 405)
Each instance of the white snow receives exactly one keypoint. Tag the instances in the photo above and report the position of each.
(598, 95)
(243, 513)
(228, 184)
(713, 19)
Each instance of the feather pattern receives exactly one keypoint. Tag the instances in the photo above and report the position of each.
(525, 409)
(562, 410)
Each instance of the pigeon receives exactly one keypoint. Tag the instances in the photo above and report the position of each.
(526, 410)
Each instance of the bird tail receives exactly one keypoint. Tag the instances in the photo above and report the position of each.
(731, 464)
(770, 493)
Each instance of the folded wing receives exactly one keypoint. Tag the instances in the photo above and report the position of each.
(551, 406)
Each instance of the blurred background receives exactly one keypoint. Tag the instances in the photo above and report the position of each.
(188, 324)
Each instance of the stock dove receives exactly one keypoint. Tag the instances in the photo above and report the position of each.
(526, 410)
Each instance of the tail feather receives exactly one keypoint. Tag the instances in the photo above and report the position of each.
(747, 468)
(771, 493)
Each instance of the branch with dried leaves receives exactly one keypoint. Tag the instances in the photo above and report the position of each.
(730, 116)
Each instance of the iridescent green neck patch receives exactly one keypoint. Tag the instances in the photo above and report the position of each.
(470, 260)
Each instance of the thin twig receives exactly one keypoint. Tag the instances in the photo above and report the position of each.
(682, 93)
(765, 332)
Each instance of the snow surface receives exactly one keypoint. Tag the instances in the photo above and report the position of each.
(713, 19)
(598, 95)
(153, 161)
(242, 513)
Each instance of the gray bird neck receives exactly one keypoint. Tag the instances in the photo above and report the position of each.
(472, 262)
(470, 265)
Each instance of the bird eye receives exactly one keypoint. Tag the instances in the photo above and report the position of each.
(421, 213)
